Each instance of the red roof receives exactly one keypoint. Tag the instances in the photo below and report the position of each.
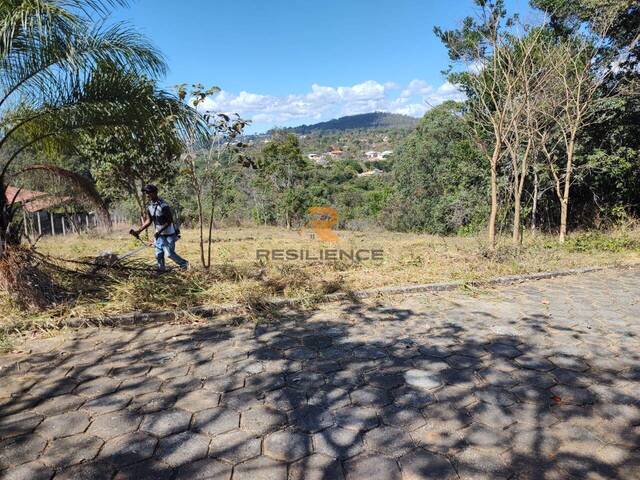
(31, 200)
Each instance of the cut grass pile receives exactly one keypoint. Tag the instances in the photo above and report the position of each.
(237, 276)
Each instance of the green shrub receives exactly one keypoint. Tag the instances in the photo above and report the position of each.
(601, 242)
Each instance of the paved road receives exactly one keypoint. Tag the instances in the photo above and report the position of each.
(537, 381)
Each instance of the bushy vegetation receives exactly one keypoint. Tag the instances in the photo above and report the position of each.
(439, 182)
(602, 242)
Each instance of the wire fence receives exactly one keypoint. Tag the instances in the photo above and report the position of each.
(45, 223)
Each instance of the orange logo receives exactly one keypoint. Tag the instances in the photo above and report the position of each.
(322, 221)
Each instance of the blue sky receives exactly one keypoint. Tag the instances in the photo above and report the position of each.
(288, 62)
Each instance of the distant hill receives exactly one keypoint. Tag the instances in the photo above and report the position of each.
(374, 120)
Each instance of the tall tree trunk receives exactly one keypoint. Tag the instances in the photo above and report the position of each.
(142, 209)
(534, 207)
(517, 202)
(201, 228)
(210, 232)
(564, 208)
(516, 218)
(564, 201)
(494, 195)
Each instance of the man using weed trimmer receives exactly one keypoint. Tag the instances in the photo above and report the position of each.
(166, 234)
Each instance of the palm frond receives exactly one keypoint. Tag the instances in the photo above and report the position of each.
(39, 67)
(111, 99)
(42, 17)
(83, 189)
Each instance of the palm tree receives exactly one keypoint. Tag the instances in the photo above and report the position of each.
(58, 64)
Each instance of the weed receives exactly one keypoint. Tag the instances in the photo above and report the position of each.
(601, 242)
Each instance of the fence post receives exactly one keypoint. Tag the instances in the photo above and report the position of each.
(53, 224)
(64, 230)
(39, 224)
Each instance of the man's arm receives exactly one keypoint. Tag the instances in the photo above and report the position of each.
(143, 227)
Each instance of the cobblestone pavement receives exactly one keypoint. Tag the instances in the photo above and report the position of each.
(536, 381)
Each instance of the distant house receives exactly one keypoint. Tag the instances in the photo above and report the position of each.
(374, 156)
(318, 159)
(335, 153)
(37, 218)
(32, 201)
(370, 173)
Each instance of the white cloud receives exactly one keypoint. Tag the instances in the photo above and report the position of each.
(325, 102)
(416, 87)
(412, 109)
(446, 91)
(476, 66)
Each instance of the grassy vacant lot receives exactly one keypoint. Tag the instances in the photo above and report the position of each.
(237, 276)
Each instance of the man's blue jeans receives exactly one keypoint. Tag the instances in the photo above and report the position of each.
(166, 245)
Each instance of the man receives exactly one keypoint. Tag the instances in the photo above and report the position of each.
(159, 213)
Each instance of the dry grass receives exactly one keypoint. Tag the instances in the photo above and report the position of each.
(238, 277)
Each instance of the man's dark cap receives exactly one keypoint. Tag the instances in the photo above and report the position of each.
(150, 189)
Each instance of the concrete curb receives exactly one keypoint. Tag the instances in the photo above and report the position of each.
(448, 286)
(139, 318)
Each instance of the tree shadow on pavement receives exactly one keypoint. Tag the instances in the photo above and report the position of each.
(359, 390)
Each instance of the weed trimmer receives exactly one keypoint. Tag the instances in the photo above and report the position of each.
(110, 259)
(136, 250)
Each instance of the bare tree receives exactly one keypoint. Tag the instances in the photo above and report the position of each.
(502, 80)
(527, 76)
(481, 46)
(573, 97)
(206, 143)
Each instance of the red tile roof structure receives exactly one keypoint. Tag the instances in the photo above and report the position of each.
(33, 201)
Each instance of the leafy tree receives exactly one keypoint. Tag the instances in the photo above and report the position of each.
(482, 45)
(282, 173)
(212, 144)
(438, 176)
(536, 90)
(622, 18)
(125, 157)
